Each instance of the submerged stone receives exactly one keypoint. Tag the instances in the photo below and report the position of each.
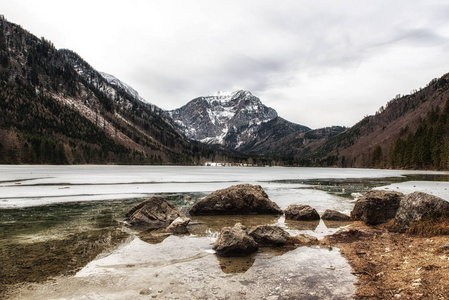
(155, 212)
(178, 226)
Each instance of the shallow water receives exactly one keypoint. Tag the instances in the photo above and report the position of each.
(39, 204)
(179, 268)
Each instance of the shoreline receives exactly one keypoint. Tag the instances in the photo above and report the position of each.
(387, 265)
(392, 265)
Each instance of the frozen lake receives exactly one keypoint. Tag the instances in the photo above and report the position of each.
(43, 204)
(23, 186)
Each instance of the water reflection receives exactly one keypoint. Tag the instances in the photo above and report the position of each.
(235, 264)
(336, 224)
(301, 225)
(212, 225)
(153, 236)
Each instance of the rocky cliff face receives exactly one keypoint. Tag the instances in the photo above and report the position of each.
(232, 120)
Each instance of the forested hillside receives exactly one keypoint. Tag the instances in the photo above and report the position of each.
(427, 147)
(412, 131)
(52, 114)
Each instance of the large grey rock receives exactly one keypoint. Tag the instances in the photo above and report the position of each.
(154, 212)
(301, 213)
(333, 215)
(418, 206)
(236, 200)
(269, 235)
(235, 241)
(376, 207)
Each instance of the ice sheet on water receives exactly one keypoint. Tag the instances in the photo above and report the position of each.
(439, 189)
(23, 186)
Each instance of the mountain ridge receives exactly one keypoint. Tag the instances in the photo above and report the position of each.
(232, 120)
(370, 142)
(57, 109)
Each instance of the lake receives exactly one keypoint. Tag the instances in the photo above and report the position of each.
(75, 209)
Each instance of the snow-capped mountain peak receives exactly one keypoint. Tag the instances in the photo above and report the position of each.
(222, 118)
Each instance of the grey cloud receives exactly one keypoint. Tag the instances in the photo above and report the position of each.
(415, 36)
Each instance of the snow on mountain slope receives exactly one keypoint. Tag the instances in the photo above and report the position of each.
(117, 82)
(226, 119)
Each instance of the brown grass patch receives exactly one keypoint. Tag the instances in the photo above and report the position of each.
(430, 227)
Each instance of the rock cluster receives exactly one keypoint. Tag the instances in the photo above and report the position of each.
(241, 241)
(376, 207)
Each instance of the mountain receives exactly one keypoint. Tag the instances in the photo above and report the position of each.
(56, 108)
(238, 121)
(112, 80)
(411, 131)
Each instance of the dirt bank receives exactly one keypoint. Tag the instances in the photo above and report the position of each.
(393, 265)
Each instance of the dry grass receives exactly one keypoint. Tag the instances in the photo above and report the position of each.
(430, 227)
(391, 265)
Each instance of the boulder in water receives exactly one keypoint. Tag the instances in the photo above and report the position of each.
(333, 215)
(376, 207)
(155, 212)
(235, 241)
(269, 235)
(301, 213)
(240, 199)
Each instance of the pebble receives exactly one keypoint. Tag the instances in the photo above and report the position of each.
(417, 282)
(146, 291)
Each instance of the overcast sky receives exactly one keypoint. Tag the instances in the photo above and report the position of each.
(318, 63)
